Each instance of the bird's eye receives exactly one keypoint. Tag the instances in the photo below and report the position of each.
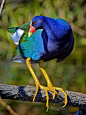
(33, 22)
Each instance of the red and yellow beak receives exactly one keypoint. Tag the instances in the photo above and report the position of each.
(31, 30)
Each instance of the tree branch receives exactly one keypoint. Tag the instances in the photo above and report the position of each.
(78, 30)
(2, 6)
(26, 93)
(7, 107)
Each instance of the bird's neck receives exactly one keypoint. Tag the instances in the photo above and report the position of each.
(49, 31)
(51, 39)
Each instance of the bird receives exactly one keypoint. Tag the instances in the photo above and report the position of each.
(40, 40)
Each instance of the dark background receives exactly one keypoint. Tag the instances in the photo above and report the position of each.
(69, 74)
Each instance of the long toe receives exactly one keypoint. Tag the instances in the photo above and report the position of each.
(60, 89)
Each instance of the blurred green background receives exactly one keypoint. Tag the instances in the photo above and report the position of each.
(69, 74)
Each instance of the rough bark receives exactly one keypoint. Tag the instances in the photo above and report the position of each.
(26, 93)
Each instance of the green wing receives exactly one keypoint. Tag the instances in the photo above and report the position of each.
(22, 27)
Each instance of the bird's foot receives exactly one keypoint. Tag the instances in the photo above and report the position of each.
(60, 89)
(46, 89)
(49, 83)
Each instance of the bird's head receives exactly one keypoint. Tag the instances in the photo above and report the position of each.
(36, 23)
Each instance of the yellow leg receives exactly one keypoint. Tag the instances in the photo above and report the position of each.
(49, 84)
(46, 89)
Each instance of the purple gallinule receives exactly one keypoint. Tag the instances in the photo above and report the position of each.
(41, 40)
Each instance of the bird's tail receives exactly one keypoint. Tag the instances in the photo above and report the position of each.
(19, 59)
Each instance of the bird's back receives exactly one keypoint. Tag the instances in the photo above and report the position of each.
(60, 39)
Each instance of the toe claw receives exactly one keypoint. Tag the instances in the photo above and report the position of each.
(36, 93)
(54, 94)
(57, 88)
